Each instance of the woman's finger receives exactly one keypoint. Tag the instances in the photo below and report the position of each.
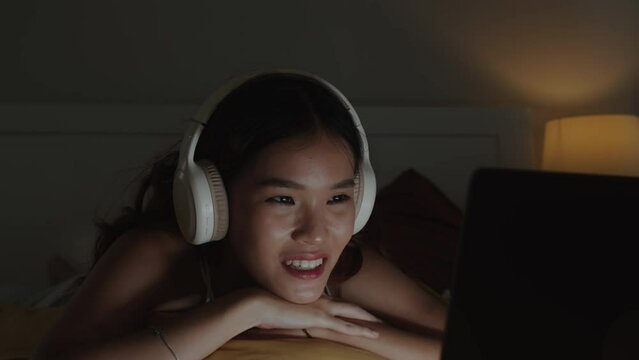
(345, 327)
(351, 311)
(354, 329)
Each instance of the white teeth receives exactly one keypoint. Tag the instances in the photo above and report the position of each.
(304, 264)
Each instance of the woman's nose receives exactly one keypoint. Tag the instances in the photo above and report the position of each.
(311, 229)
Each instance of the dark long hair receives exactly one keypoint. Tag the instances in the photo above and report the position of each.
(260, 112)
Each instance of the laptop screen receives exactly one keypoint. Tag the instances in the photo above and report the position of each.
(546, 268)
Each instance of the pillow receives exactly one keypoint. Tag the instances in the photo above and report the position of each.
(416, 227)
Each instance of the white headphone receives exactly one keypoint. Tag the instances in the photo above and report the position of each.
(199, 196)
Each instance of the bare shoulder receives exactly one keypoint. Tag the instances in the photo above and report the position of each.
(119, 293)
(147, 253)
(410, 303)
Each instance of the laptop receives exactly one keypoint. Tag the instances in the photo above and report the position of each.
(546, 268)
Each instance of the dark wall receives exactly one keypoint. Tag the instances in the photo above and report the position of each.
(555, 57)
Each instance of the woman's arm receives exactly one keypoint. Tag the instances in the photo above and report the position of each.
(392, 342)
(109, 315)
(414, 318)
(381, 288)
(196, 333)
(193, 334)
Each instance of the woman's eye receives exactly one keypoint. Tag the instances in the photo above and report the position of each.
(284, 200)
(287, 200)
(339, 199)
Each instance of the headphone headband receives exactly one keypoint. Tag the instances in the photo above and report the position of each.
(206, 110)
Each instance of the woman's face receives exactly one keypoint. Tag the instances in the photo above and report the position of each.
(292, 210)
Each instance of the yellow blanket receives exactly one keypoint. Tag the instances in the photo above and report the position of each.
(21, 328)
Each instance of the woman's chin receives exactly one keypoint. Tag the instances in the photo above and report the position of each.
(303, 297)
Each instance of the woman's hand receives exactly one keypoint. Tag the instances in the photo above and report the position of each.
(277, 313)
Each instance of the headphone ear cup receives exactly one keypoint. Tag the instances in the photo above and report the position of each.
(200, 204)
(183, 205)
(218, 198)
(364, 193)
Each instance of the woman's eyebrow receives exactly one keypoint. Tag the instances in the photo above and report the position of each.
(277, 182)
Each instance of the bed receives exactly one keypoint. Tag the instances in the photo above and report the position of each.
(66, 165)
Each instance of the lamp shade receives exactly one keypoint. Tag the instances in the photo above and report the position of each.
(598, 144)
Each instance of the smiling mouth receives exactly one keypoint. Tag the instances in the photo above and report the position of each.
(305, 269)
(304, 264)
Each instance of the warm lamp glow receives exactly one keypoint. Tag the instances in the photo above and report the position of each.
(599, 144)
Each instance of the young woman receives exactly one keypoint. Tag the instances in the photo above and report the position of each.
(293, 165)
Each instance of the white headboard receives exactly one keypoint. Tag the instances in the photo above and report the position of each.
(64, 164)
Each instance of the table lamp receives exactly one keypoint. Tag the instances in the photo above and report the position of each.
(596, 144)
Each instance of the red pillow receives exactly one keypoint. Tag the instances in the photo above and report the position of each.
(416, 226)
